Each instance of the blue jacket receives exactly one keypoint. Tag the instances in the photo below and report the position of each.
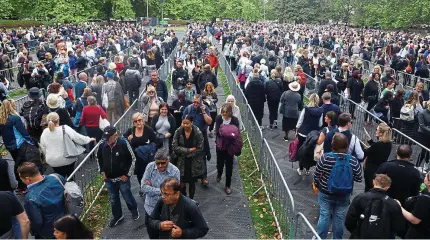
(79, 89)
(44, 204)
(11, 131)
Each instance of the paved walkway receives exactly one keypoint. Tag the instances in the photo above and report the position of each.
(226, 216)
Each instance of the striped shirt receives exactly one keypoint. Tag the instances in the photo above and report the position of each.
(326, 164)
(153, 193)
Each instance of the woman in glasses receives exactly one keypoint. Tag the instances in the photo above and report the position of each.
(142, 139)
(151, 104)
(188, 146)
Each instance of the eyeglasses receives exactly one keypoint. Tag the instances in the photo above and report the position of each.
(160, 163)
(151, 92)
(138, 120)
(167, 194)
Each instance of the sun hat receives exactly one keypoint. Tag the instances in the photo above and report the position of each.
(52, 101)
(294, 86)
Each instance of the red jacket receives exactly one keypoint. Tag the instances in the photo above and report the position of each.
(91, 115)
(213, 61)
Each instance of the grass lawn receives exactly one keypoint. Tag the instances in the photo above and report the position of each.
(15, 94)
(23, 23)
(175, 28)
(259, 208)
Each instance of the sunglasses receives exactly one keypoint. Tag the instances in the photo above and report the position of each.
(138, 120)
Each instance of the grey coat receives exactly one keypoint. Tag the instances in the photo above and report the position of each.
(146, 104)
(290, 104)
(181, 153)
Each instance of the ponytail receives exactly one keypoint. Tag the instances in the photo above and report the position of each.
(51, 126)
(53, 119)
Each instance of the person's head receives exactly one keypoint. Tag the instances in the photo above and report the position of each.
(7, 108)
(189, 84)
(376, 77)
(53, 120)
(339, 144)
(412, 98)
(226, 111)
(404, 152)
(138, 120)
(345, 66)
(356, 74)
(187, 123)
(209, 87)
(70, 227)
(426, 105)
(83, 76)
(98, 80)
(207, 68)
(231, 100)
(197, 101)
(34, 93)
(110, 135)
(154, 76)
(109, 76)
(314, 100)
(54, 88)
(29, 173)
(326, 97)
(181, 96)
(382, 181)
(344, 120)
(330, 118)
(91, 101)
(179, 64)
(388, 96)
(383, 133)
(391, 84)
(419, 87)
(170, 191)
(164, 109)
(87, 92)
(427, 180)
(162, 159)
(150, 91)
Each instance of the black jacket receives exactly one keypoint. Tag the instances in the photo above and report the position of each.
(323, 86)
(254, 92)
(274, 89)
(117, 160)
(132, 79)
(424, 122)
(205, 77)
(179, 73)
(359, 204)
(190, 219)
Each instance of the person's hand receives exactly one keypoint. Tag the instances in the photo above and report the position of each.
(93, 139)
(130, 137)
(147, 182)
(167, 226)
(124, 178)
(387, 107)
(167, 135)
(104, 176)
(193, 149)
(176, 232)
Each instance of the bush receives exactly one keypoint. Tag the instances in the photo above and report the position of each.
(22, 23)
(178, 22)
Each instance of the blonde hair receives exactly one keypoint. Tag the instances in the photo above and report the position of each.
(378, 68)
(150, 87)
(288, 75)
(99, 79)
(273, 74)
(53, 119)
(137, 115)
(314, 100)
(7, 107)
(206, 87)
(426, 104)
(385, 133)
(413, 99)
(87, 92)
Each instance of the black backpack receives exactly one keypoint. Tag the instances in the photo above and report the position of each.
(375, 220)
(32, 111)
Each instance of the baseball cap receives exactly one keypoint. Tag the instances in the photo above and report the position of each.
(108, 132)
(109, 75)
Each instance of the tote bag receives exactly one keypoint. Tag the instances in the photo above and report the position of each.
(71, 149)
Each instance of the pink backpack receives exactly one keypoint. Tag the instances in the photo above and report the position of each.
(292, 150)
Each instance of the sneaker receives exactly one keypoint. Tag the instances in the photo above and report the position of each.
(271, 126)
(227, 190)
(135, 215)
(307, 172)
(286, 139)
(113, 222)
(141, 193)
(300, 172)
(275, 124)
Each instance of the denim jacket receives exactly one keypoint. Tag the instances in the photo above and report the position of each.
(44, 204)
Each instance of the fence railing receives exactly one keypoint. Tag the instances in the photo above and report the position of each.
(278, 193)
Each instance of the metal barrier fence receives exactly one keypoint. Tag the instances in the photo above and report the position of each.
(86, 174)
(278, 193)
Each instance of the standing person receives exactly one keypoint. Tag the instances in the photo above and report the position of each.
(419, 216)
(96, 87)
(424, 135)
(204, 77)
(254, 93)
(90, 119)
(377, 154)
(115, 96)
(388, 223)
(11, 208)
(333, 201)
(164, 125)
(406, 180)
(32, 111)
(178, 106)
(311, 118)
(179, 79)
(371, 96)
(52, 145)
(342, 77)
(132, 82)
(54, 105)
(355, 88)
(81, 85)
(201, 119)
(160, 86)
(291, 104)
(210, 98)
(151, 103)
(142, 138)
(44, 201)
(226, 143)
(155, 174)
(176, 216)
(273, 90)
(70, 227)
(231, 100)
(116, 163)
(188, 146)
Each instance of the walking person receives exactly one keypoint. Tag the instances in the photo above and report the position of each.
(90, 119)
(164, 125)
(273, 90)
(116, 161)
(155, 174)
(151, 102)
(291, 104)
(355, 88)
(12, 210)
(210, 99)
(371, 96)
(188, 148)
(255, 94)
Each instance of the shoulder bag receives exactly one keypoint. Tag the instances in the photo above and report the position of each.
(71, 149)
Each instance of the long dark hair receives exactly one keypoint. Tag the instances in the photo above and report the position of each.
(73, 228)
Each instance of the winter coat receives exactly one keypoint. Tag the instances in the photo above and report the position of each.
(305, 154)
(132, 79)
(205, 77)
(181, 153)
(291, 104)
(256, 96)
(273, 89)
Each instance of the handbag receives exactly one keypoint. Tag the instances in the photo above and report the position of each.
(103, 122)
(318, 151)
(71, 149)
(105, 101)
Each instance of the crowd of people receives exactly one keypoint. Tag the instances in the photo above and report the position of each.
(396, 192)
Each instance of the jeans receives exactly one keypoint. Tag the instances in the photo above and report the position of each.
(114, 188)
(335, 206)
(133, 95)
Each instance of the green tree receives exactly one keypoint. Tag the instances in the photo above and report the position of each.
(6, 9)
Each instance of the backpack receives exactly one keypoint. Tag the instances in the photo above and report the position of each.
(73, 198)
(229, 139)
(407, 112)
(411, 201)
(134, 61)
(375, 220)
(32, 111)
(341, 179)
